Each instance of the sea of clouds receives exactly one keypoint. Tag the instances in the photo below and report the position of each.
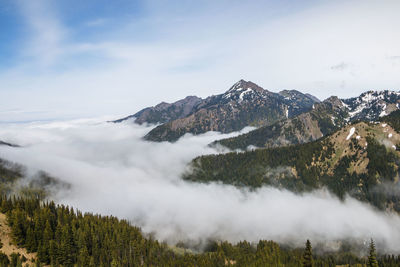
(113, 171)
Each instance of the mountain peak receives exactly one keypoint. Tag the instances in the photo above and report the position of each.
(334, 100)
(242, 85)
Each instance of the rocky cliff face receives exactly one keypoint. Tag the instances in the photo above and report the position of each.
(244, 104)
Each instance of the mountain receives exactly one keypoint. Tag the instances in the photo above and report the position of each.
(325, 118)
(165, 112)
(372, 105)
(361, 159)
(244, 104)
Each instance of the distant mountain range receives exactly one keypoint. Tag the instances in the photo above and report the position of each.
(244, 104)
(349, 146)
(325, 118)
(287, 117)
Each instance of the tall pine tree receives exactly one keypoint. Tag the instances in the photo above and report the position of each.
(372, 261)
(307, 256)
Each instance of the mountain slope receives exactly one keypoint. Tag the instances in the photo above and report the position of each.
(244, 104)
(165, 112)
(372, 105)
(325, 118)
(360, 159)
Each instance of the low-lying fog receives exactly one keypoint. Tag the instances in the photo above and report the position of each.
(113, 171)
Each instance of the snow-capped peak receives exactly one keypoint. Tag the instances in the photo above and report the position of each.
(242, 88)
(372, 104)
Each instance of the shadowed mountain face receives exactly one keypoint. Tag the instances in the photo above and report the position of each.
(165, 112)
(325, 118)
(244, 104)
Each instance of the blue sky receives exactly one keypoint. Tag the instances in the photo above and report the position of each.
(68, 59)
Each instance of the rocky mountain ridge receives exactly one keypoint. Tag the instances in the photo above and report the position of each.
(244, 104)
(325, 118)
(165, 112)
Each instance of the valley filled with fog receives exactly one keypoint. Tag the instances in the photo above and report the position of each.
(113, 171)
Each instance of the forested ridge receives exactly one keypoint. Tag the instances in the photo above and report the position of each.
(62, 236)
(364, 165)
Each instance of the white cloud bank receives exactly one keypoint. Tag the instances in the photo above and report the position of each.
(113, 171)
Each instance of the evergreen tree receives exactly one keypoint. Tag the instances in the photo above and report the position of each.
(372, 262)
(30, 242)
(68, 238)
(307, 256)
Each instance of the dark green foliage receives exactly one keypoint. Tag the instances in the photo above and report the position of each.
(64, 237)
(4, 261)
(308, 260)
(393, 119)
(372, 261)
(273, 166)
(15, 260)
(251, 168)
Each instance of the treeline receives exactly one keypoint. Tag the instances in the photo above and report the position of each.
(62, 236)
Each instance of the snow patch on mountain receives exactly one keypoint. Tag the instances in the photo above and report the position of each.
(352, 130)
(371, 105)
(249, 90)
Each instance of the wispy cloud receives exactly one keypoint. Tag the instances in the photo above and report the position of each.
(97, 22)
(47, 35)
(182, 49)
